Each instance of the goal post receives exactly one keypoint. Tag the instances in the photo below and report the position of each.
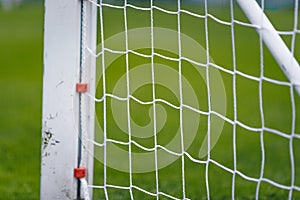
(275, 44)
(145, 100)
(62, 152)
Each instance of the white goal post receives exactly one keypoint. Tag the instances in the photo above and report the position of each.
(61, 106)
(71, 28)
(275, 44)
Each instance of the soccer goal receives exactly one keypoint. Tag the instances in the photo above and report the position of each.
(160, 99)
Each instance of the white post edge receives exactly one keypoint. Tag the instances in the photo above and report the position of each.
(273, 41)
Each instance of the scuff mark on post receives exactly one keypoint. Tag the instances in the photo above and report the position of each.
(47, 138)
(58, 84)
(51, 117)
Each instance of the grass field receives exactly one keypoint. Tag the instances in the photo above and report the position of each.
(20, 116)
(20, 103)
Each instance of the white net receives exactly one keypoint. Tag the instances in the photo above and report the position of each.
(190, 103)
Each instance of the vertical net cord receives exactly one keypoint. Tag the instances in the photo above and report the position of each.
(234, 99)
(208, 99)
(83, 109)
(154, 97)
(292, 159)
(291, 149)
(128, 98)
(261, 104)
(181, 100)
(81, 102)
(104, 101)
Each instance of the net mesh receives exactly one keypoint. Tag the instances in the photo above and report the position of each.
(190, 103)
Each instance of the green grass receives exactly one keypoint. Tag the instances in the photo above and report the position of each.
(20, 102)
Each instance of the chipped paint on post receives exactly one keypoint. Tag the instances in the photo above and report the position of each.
(48, 139)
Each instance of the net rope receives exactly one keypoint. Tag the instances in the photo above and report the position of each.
(235, 122)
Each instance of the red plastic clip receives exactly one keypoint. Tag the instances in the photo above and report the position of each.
(80, 172)
(81, 87)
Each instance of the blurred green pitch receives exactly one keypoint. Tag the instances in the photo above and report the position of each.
(21, 67)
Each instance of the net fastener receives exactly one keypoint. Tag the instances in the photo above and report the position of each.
(80, 172)
(81, 87)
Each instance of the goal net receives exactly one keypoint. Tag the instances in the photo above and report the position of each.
(188, 100)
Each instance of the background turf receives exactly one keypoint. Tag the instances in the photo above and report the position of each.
(20, 101)
(20, 104)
